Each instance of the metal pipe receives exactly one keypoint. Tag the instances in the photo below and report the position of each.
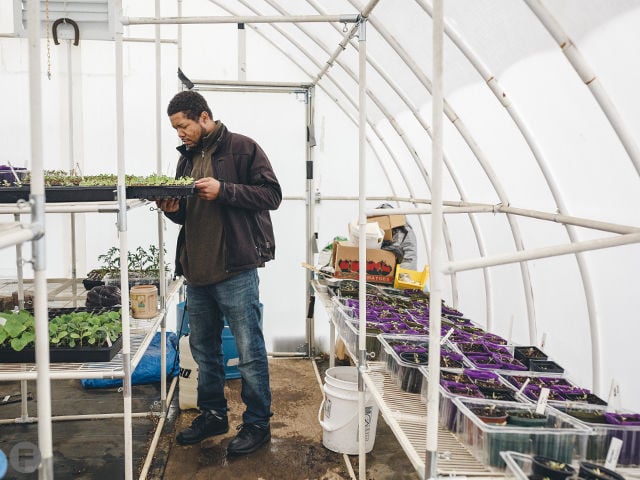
(37, 199)
(160, 218)
(122, 231)
(73, 418)
(179, 38)
(148, 40)
(242, 52)
(250, 83)
(244, 90)
(287, 354)
(487, 208)
(88, 207)
(156, 436)
(362, 246)
(437, 255)
(310, 236)
(349, 18)
(588, 76)
(543, 252)
(478, 153)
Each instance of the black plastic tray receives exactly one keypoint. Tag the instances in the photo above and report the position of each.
(60, 194)
(64, 355)
(94, 194)
(55, 312)
(167, 191)
(89, 284)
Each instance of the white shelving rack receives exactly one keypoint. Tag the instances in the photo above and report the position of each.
(139, 332)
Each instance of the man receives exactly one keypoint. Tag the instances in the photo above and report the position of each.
(403, 244)
(226, 235)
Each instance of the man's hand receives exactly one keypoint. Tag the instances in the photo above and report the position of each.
(207, 188)
(168, 204)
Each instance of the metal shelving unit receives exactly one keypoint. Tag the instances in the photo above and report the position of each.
(142, 331)
(139, 332)
(404, 412)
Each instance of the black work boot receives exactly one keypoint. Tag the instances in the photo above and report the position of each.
(249, 439)
(207, 424)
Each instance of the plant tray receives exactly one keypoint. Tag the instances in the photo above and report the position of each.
(64, 355)
(162, 191)
(55, 312)
(60, 194)
(89, 284)
(94, 194)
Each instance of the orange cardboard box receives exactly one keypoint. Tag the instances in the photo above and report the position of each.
(380, 263)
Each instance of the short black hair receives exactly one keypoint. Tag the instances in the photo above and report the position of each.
(191, 103)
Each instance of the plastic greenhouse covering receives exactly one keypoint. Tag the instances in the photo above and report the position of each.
(517, 163)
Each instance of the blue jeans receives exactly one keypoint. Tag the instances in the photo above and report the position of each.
(237, 301)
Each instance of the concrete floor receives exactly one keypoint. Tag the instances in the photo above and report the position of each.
(82, 449)
(295, 451)
(94, 449)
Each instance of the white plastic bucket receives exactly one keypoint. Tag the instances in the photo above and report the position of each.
(188, 383)
(374, 234)
(340, 408)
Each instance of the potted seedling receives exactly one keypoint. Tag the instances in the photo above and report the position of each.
(544, 467)
(547, 366)
(527, 353)
(593, 471)
(526, 418)
(143, 266)
(409, 375)
(625, 426)
(490, 414)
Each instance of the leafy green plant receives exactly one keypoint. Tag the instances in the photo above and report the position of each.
(145, 262)
(69, 330)
(84, 329)
(18, 330)
(61, 178)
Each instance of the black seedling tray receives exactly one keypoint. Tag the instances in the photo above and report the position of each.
(94, 194)
(56, 312)
(163, 191)
(60, 194)
(64, 355)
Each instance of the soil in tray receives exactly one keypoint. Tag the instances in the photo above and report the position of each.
(64, 355)
(163, 191)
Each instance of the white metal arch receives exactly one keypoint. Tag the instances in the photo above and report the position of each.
(589, 77)
(482, 160)
(501, 95)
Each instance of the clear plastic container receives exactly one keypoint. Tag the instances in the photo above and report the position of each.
(603, 430)
(560, 436)
(404, 365)
(447, 409)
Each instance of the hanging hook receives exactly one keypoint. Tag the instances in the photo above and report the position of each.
(76, 30)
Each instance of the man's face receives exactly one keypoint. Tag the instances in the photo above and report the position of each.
(189, 131)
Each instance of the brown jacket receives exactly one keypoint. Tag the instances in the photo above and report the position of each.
(249, 189)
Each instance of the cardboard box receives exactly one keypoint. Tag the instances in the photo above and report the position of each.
(380, 263)
(387, 222)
